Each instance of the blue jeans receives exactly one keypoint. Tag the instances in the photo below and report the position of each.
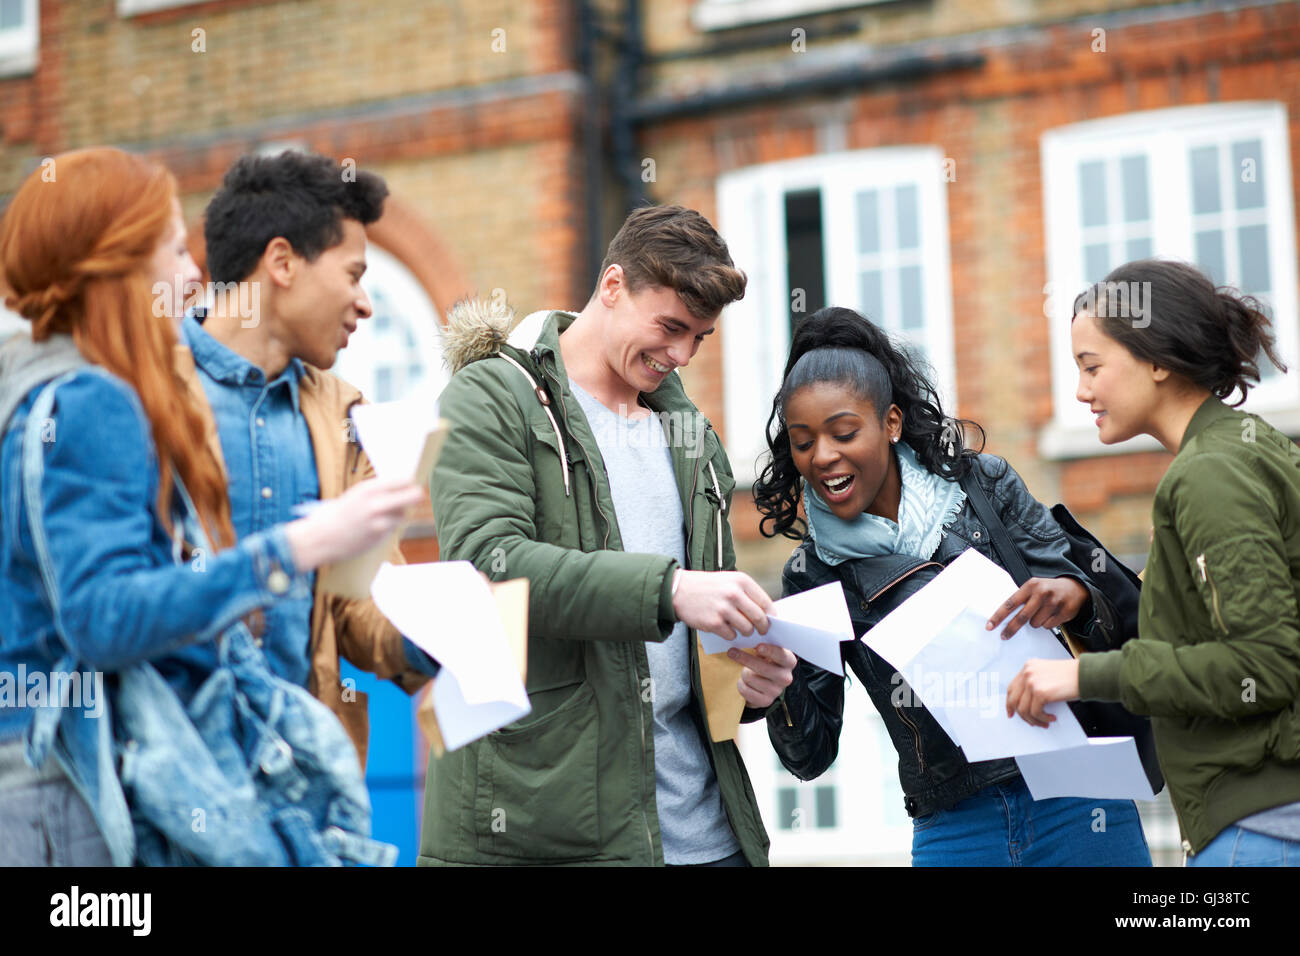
(1238, 847)
(43, 820)
(1003, 825)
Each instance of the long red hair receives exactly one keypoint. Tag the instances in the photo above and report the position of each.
(75, 248)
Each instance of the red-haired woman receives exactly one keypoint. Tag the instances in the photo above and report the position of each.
(103, 451)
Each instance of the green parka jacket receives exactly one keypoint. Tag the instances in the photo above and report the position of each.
(524, 494)
(1217, 665)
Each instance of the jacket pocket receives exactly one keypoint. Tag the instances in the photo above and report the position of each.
(536, 795)
(927, 820)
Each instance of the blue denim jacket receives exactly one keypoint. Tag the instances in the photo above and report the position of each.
(271, 466)
(270, 469)
(119, 596)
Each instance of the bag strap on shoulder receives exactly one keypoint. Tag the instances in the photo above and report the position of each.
(1006, 549)
(45, 722)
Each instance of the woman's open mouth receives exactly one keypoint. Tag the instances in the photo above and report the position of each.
(837, 488)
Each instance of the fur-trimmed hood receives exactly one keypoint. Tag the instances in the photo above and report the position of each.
(475, 330)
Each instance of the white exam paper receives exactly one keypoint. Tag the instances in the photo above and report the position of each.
(811, 624)
(393, 434)
(961, 676)
(1105, 768)
(447, 610)
(937, 642)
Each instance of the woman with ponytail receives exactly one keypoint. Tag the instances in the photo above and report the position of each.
(1217, 664)
(858, 437)
(103, 457)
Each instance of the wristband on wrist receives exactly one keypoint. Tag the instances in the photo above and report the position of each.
(677, 581)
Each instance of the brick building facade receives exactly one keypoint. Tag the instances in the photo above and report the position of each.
(956, 169)
(480, 116)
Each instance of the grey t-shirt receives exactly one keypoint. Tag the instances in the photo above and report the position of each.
(692, 823)
(1282, 822)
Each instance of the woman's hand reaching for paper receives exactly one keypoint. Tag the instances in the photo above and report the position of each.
(1039, 683)
(1048, 602)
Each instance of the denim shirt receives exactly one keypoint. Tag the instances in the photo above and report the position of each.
(121, 597)
(270, 468)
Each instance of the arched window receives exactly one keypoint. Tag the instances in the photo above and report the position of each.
(395, 354)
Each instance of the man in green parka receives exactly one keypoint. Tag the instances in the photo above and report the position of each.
(576, 460)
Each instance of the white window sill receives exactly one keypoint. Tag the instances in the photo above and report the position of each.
(1058, 442)
(719, 15)
(18, 64)
(131, 8)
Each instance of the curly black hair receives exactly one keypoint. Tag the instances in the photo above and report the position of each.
(839, 345)
(301, 197)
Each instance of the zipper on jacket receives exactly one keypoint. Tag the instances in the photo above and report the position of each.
(1214, 592)
(690, 534)
(690, 511)
(916, 732)
(916, 737)
(903, 577)
(536, 356)
(640, 715)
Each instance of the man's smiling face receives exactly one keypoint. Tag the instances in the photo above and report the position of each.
(651, 334)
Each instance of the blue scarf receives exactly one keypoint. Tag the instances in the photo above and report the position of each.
(928, 504)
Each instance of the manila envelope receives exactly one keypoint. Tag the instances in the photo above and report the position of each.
(723, 704)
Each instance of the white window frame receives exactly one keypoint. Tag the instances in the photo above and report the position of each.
(131, 8)
(871, 825)
(20, 46)
(724, 14)
(1165, 138)
(755, 331)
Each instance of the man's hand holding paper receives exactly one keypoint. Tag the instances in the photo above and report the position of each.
(811, 625)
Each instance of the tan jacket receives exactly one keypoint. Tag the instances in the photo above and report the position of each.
(339, 626)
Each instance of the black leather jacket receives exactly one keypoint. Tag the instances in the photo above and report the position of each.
(932, 769)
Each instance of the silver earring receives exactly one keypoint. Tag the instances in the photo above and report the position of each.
(894, 439)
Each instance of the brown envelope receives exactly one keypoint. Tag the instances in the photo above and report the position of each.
(723, 704)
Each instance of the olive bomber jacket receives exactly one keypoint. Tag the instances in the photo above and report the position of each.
(1217, 663)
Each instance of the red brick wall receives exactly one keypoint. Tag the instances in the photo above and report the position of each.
(990, 121)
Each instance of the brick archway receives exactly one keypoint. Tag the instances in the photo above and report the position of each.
(403, 233)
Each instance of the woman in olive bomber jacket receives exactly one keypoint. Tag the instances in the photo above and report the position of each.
(1217, 662)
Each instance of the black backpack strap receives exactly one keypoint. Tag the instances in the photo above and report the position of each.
(1006, 549)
